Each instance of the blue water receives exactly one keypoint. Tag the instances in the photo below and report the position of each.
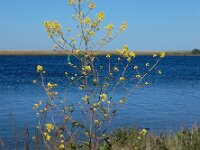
(172, 100)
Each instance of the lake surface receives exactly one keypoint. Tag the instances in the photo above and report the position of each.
(171, 101)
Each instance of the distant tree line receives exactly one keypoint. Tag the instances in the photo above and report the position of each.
(196, 51)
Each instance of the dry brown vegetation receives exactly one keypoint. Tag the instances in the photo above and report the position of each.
(60, 53)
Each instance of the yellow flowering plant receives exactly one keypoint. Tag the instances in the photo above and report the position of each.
(97, 82)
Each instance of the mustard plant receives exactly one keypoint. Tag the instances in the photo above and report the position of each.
(97, 82)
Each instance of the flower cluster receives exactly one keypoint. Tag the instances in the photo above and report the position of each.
(49, 127)
(39, 68)
(53, 28)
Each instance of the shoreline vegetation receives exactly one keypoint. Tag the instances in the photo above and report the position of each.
(123, 138)
(62, 53)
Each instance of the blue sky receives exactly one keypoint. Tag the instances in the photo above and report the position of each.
(152, 24)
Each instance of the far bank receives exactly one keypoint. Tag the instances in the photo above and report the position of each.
(61, 53)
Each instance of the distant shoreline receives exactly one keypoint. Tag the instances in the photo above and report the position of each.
(62, 53)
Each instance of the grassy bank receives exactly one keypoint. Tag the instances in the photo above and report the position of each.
(130, 139)
(61, 53)
(127, 139)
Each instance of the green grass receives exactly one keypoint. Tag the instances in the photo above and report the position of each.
(131, 138)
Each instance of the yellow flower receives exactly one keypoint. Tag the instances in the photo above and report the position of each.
(53, 27)
(106, 115)
(99, 103)
(91, 33)
(125, 49)
(85, 98)
(121, 101)
(62, 146)
(103, 97)
(154, 55)
(109, 27)
(33, 138)
(123, 26)
(47, 136)
(51, 34)
(40, 102)
(80, 15)
(34, 81)
(117, 50)
(136, 68)
(143, 132)
(102, 42)
(39, 68)
(106, 84)
(115, 69)
(60, 41)
(36, 106)
(66, 73)
(61, 136)
(159, 72)
(78, 51)
(110, 34)
(71, 2)
(94, 24)
(83, 73)
(100, 16)
(49, 127)
(87, 20)
(92, 6)
(132, 54)
(146, 83)
(162, 54)
(95, 105)
(88, 68)
(68, 29)
(51, 85)
(129, 59)
(55, 46)
(70, 64)
(147, 65)
(138, 76)
(96, 121)
(107, 56)
(57, 27)
(121, 78)
(86, 133)
(94, 81)
(62, 141)
(72, 39)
